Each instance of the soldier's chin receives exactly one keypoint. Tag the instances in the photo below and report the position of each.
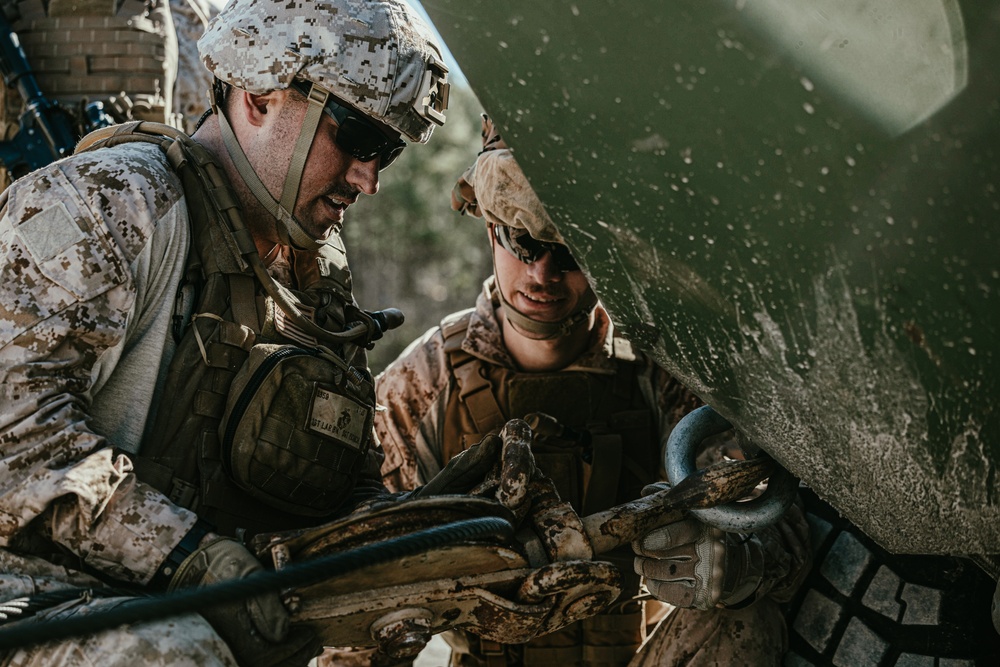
(537, 335)
(324, 231)
(327, 219)
(524, 333)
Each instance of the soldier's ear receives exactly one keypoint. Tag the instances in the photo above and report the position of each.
(255, 108)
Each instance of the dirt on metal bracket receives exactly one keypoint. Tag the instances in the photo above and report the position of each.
(550, 576)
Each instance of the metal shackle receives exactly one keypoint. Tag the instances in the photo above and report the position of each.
(736, 517)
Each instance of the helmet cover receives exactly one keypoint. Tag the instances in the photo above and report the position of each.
(377, 55)
(504, 196)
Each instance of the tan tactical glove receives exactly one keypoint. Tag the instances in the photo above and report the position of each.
(500, 466)
(465, 470)
(462, 473)
(693, 565)
(255, 629)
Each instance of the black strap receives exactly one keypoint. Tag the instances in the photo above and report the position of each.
(21, 608)
(188, 545)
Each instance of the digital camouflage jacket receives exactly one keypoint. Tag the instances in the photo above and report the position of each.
(91, 246)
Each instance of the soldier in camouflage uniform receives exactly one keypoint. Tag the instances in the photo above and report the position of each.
(538, 342)
(139, 280)
(139, 58)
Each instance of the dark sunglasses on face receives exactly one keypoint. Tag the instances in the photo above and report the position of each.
(357, 135)
(519, 243)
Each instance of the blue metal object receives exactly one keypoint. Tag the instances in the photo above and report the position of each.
(738, 517)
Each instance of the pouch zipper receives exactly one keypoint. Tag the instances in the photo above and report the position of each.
(256, 379)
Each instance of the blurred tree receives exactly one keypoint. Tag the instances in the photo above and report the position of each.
(408, 248)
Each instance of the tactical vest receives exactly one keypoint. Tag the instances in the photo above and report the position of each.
(615, 454)
(96, 50)
(240, 358)
(861, 605)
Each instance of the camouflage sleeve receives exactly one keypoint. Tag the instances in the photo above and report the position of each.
(412, 394)
(67, 298)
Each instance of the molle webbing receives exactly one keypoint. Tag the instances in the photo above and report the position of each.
(96, 50)
(475, 390)
(607, 406)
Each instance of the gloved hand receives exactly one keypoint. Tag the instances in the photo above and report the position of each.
(465, 470)
(693, 565)
(255, 629)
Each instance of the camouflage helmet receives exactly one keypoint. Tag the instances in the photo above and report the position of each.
(376, 55)
(505, 197)
(495, 188)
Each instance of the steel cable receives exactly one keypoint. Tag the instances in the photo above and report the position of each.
(29, 631)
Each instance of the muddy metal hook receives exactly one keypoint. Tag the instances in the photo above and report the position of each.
(735, 517)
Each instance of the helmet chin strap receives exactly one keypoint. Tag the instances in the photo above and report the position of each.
(290, 231)
(537, 330)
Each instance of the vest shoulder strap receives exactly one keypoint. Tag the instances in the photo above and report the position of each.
(474, 388)
(134, 130)
(453, 328)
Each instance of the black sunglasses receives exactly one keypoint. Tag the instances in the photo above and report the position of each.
(357, 135)
(520, 243)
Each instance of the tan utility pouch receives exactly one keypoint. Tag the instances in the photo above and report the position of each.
(297, 428)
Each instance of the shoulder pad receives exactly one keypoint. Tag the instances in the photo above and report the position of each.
(453, 328)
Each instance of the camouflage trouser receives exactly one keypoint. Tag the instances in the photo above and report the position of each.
(751, 637)
(183, 640)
